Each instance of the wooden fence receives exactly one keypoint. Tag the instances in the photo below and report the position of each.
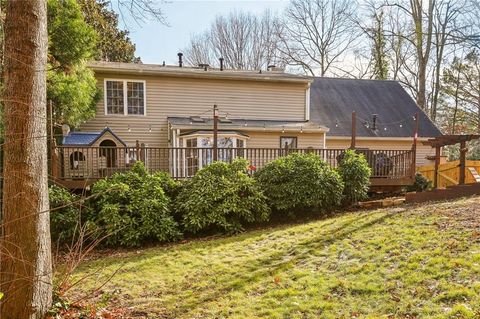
(449, 173)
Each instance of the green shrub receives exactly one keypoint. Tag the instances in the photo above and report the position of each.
(170, 186)
(420, 184)
(355, 173)
(132, 207)
(65, 214)
(300, 182)
(221, 195)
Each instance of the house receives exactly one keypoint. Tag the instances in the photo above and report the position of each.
(163, 115)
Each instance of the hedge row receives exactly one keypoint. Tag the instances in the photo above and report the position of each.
(132, 208)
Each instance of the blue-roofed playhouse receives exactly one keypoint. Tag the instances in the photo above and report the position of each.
(94, 153)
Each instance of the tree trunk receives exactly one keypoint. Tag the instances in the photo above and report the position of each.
(26, 268)
(422, 84)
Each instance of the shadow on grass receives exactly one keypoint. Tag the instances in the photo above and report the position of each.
(245, 274)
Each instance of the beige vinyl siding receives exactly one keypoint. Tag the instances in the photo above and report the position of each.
(422, 150)
(304, 140)
(166, 96)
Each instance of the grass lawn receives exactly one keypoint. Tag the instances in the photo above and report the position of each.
(404, 262)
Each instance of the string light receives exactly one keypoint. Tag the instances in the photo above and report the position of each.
(129, 129)
(150, 129)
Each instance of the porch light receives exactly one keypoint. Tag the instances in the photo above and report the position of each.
(301, 129)
(150, 129)
(283, 129)
(129, 129)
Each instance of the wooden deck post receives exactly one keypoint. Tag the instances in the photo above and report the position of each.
(437, 164)
(354, 130)
(137, 148)
(414, 146)
(463, 152)
(215, 133)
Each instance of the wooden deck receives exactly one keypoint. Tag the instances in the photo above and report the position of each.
(79, 167)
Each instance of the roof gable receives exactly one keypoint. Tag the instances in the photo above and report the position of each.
(332, 101)
(87, 138)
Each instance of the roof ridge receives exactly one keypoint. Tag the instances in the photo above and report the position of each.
(353, 79)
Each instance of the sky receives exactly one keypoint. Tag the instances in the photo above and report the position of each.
(156, 43)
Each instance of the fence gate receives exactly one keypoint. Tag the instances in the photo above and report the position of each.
(449, 173)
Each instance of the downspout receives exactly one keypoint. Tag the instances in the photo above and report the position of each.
(307, 103)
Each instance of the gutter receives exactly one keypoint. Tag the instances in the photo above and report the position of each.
(211, 74)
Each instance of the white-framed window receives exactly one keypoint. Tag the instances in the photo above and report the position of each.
(125, 97)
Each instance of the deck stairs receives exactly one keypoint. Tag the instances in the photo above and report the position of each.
(474, 173)
(450, 192)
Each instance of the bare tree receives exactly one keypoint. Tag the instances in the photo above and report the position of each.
(317, 34)
(26, 270)
(420, 32)
(447, 30)
(244, 40)
(141, 10)
(462, 84)
(375, 60)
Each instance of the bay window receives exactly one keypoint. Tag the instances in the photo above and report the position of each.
(200, 153)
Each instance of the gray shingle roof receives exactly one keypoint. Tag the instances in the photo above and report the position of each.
(332, 101)
(86, 138)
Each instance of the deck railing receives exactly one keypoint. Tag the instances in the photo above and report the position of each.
(91, 163)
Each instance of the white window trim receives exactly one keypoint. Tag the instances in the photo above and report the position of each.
(125, 99)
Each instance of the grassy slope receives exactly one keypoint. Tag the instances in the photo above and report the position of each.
(407, 262)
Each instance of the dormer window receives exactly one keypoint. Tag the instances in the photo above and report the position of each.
(125, 97)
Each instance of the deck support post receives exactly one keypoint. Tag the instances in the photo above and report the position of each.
(414, 146)
(463, 153)
(437, 164)
(137, 149)
(354, 130)
(215, 133)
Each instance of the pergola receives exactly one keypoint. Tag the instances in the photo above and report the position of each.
(446, 140)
